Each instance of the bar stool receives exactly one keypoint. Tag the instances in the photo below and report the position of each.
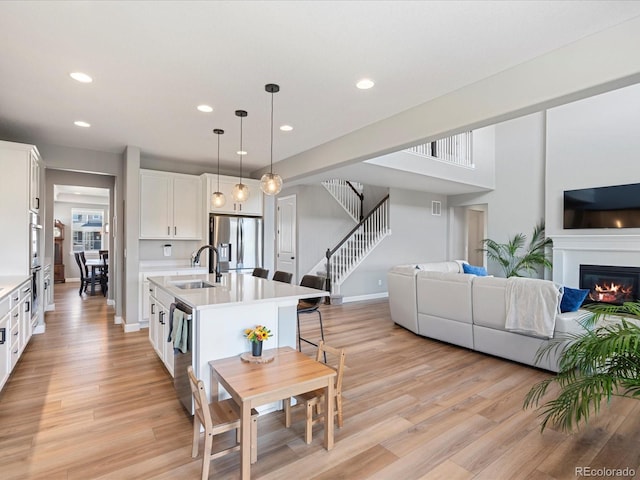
(284, 277)
(260, 272)
(310, 305)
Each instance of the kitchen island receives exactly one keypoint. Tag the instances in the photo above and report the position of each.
(221, 312)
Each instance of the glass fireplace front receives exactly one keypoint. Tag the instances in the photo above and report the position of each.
(610, 284)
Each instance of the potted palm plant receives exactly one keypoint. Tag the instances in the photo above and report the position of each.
(516, 257)
(595, 366)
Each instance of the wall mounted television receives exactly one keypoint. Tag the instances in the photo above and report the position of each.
(617, 206)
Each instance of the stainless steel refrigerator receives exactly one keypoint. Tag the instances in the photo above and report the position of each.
(239, 242)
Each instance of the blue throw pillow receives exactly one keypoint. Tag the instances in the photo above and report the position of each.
(572, 299)
(479, 271)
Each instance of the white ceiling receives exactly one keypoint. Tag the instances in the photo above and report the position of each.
(154, 62)
(81, 195)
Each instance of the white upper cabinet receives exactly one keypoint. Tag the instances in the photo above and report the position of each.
(252, 206)
(20, 167)
(170, 206)
(34, 181)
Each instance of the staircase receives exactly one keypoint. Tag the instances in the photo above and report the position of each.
(348, 194)
(349, 252)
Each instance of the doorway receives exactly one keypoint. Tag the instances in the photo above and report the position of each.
(82, 213)
(286, 234)
(476, 232)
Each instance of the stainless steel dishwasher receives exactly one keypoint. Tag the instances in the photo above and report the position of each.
(182, 360)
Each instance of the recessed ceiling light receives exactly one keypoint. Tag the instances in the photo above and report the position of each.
(81, 77)
(365, 84)
(241, 152)
(205, 108)
(286, 128)
(80, 123)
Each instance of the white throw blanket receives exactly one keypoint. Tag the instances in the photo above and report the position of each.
(532, 305)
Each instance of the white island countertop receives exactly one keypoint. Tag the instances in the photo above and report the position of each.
(233, 288)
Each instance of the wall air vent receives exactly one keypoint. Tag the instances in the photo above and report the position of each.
(436, 208)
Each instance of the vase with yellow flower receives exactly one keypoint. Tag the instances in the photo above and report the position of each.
(256, 336)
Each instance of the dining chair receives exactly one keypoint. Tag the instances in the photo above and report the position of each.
(85, 281)
(315, 398)
(310, 305)
(284, 277)
(216, 417)
(260, 272)
(104, 273)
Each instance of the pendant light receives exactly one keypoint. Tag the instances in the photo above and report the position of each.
(217, 197)
(271, 183)
(240, 190)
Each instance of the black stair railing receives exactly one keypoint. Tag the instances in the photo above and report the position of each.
(360, 196)
(331, 251)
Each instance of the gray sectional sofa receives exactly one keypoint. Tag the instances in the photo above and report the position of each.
(437, 300)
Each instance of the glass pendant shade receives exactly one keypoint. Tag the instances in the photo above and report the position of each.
(218, 200)
(271, 183)
(240, 192)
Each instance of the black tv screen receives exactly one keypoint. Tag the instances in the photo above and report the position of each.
(603, 207)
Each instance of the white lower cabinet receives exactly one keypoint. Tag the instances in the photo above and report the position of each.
(145, 289)
(48, 288)
(26, 329)
(15, 328)
(159, 328)
(5, 339)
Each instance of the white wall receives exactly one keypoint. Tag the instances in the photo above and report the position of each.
(594, 142)
(517, 203)
(416, 237)
(67, 166)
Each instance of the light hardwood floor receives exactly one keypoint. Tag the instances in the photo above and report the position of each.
(89, 401)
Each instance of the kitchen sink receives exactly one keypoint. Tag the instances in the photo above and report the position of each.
(193, 284)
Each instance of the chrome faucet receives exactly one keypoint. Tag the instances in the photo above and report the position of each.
(196, 259)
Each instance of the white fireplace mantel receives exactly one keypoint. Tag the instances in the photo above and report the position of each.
(571, 251)
(627, 243)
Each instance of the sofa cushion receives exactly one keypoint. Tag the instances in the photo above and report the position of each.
(489, 307)
(479, 271)
(444, 295)
(572, 299)
(569, 322)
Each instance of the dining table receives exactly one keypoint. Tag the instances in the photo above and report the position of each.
(94, 264)
(286, 373)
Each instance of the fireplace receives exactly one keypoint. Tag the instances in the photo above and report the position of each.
(610, 284)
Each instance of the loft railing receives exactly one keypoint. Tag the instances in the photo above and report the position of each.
(348, 194)
(356, 245)
(456, 150)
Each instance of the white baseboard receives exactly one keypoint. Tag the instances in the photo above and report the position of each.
(117, 320)
(40, 328)
(360, 298)
(72, 280)
(111, 301)
(131, 327)
(50, 308)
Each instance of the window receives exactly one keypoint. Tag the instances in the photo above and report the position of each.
(87, 230)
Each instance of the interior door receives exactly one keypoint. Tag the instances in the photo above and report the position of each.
(475, 234)
(286, 233)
